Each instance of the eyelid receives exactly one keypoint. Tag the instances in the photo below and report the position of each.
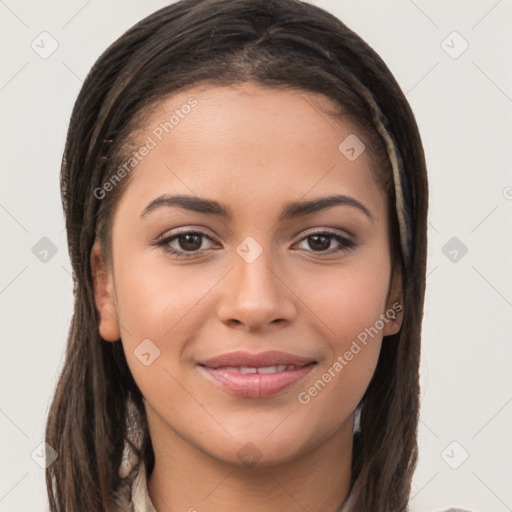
(331, 231)
(309, 232)
(346, 241)
(207, 232)
(184, 230)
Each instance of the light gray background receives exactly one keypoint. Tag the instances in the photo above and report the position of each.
(464, 109)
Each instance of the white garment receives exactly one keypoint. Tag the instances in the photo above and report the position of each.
(140, 496)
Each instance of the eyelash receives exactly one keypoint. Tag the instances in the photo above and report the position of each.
(164, 243)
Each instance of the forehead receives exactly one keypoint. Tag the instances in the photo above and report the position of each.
(249, 139)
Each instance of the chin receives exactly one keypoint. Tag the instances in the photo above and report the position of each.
(266, 444)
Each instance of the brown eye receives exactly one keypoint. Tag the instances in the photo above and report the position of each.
(190, 242)
(319, 242)
(322, 241)
(185, 244)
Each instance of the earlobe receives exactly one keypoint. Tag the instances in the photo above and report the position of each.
(104, 296)
(392, 327)
(395, 305)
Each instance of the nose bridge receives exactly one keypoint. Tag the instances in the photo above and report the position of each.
(254, 272)
(254, 295)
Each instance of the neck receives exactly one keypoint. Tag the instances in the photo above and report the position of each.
(187, 479)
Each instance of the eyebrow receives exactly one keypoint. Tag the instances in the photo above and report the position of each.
(291, 210)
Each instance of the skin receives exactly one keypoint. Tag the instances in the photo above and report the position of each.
(254, 149)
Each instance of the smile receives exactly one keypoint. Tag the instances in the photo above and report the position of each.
(256, 382)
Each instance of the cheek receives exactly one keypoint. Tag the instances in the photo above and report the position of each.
(163, 304)
(153, 298)
(349, 311)
(345, 300)
(348, 303)
(155, 307)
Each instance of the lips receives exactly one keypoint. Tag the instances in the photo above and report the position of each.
(256, 375)
(263, 359)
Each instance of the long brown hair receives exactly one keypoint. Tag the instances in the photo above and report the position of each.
(278, 43)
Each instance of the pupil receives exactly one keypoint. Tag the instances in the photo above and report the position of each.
(189, 242)
(321, 246)
(316, 242)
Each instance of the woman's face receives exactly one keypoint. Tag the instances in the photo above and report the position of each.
(265, 267)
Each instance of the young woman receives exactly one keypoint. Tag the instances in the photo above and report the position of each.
(246, 207)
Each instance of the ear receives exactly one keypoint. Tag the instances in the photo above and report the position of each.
(395, 305)
(104, 296)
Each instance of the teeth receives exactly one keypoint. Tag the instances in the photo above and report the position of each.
(271, 369)
(244, 370)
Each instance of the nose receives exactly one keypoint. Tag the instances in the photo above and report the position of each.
(256, 294)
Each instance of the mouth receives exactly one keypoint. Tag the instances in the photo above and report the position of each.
(256, 375)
